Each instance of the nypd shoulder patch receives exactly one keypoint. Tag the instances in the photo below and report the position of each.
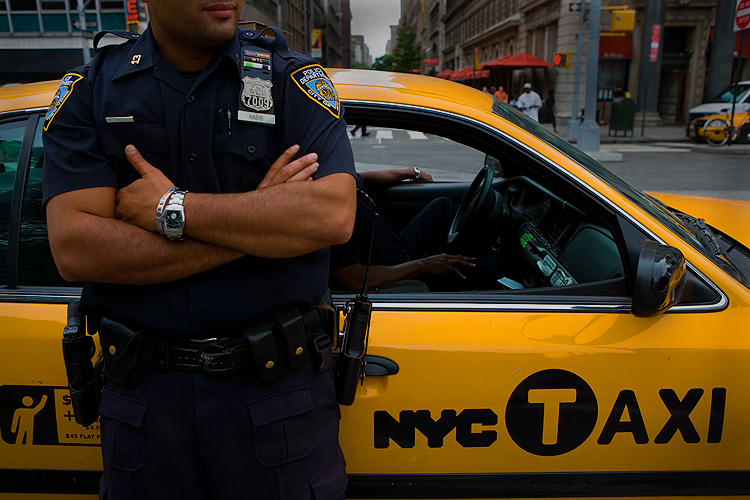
(315, 83)
(62, 94)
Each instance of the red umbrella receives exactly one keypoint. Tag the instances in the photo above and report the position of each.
(467, 73)
(494, 64)
(445, 73)
(523, 60)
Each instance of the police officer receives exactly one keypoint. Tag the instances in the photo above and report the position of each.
(168, 189)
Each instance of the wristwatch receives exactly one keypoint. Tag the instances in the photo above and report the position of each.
(417, 172)
(160, 210)
(173, 217)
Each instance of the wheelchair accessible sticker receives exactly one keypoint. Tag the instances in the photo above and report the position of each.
(33, 415)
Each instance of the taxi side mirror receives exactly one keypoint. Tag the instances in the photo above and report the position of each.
(659, 279)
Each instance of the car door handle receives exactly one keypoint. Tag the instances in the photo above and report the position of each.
(378, 366)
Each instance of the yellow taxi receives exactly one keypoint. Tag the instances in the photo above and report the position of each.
(609, 360)
(696, 128)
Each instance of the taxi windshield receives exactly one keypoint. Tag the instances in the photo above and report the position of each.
(650, 205)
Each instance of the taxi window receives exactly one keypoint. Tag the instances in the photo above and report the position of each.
(529, 235)
(37, 266)
(11, 137)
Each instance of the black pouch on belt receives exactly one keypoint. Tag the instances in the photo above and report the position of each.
(127, 353)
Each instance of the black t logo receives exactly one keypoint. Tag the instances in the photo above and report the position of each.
(551, 412)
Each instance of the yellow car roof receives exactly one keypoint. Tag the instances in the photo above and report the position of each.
(27, 96)
(376, 86)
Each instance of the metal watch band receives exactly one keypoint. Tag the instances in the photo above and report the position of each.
(173, 218)
(160, 210)
(417, 173)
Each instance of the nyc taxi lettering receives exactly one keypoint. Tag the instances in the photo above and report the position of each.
(551, 413)
(34, 415)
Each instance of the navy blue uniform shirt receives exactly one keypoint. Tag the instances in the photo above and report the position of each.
(177, 126)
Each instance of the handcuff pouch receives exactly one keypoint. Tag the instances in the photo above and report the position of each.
(264, 358)
(292, 338)
(127, 353)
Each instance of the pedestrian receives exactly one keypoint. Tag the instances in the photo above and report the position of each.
(618, 92)
(529, 102)
(364, 130)
(547, 112)
(205, 295)
(501, 94)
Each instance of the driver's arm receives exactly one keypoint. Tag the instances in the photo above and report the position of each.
(379, 179)
(352, 277)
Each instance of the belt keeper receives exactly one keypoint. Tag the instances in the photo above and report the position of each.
(263, 355)
(323, 348)
(293, 339)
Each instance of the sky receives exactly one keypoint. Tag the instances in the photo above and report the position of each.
(373, 19)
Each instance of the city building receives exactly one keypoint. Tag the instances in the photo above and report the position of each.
(693, 61)
(42, 39)
(361, 52)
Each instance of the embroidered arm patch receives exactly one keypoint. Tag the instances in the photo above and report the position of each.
(62, 94)
(315, 83)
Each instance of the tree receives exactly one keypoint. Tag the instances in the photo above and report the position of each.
(384, 63)
(406, 57)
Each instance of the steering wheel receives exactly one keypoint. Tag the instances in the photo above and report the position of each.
(477, 209)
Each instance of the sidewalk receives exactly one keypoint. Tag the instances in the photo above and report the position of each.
(664, 134)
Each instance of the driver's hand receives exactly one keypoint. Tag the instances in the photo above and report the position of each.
(444, 263)
(424, 177)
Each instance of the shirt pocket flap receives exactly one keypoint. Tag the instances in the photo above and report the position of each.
(146, 136)
(123, 409)
(280, 406)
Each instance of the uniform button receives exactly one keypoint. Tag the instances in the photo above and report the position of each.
(251, 149)
(191, 98)
(201, 316)
(192, 157)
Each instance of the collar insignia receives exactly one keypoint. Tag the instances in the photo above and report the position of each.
(136, 59)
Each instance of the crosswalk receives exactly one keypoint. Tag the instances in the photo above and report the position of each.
(391, 134)
(376, 136)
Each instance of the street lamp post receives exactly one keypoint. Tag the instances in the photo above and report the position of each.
(589, 132)
(573, 123)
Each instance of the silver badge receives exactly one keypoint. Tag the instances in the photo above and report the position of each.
(256, 94)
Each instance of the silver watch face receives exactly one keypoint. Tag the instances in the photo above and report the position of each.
(173, 220)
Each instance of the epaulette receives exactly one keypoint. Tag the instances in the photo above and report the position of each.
(122, 34)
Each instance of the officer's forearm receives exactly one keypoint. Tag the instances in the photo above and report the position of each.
(99, 249)
(281, 221)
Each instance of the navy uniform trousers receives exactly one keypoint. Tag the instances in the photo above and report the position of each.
(167, 437)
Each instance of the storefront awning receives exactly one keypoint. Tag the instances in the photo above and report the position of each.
(616, 46)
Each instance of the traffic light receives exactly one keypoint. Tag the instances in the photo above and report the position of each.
(562, 59)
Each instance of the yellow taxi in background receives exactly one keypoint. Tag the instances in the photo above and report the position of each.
(696, 128)
(611, 358)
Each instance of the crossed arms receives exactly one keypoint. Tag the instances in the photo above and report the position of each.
(109, 236)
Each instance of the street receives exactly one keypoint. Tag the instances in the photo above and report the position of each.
(673, 167)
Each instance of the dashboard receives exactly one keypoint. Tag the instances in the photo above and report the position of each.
(557, 244)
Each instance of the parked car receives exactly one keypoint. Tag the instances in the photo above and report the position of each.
(741, 123)
(719, 105)
(612, 358)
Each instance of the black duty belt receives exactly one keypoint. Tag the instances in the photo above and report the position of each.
(266, 350)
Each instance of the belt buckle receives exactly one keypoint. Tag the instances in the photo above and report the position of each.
(208, 361)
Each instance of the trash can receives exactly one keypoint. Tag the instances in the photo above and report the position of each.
(622, 118)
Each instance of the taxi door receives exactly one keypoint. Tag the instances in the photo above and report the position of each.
(43, 451)
(497, 397)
